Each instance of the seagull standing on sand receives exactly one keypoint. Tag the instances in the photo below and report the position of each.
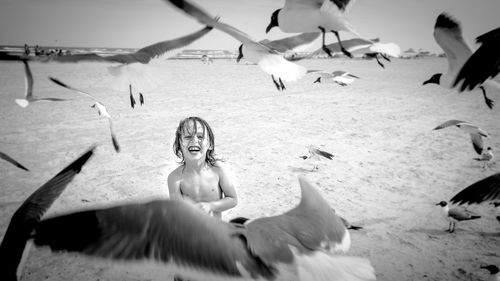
(141, 99)
(12, 161)
(476, 133)
(485, 157)
(300, 244)
(28, 96)
(101, 109)
(316, 155)
(269, 60)
(448, 35)
(456, 214)
(340, 77)
(311, 16)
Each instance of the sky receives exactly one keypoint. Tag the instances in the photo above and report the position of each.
(138, 23)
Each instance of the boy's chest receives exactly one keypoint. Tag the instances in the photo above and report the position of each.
(203, 187)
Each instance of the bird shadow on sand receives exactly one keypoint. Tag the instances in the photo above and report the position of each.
(300, 170)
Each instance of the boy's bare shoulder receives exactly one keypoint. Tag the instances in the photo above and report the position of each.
(175, 174)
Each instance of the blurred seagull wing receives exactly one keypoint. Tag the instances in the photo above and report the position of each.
(487, 189)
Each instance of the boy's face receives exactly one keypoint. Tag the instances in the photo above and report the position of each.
(194, 142)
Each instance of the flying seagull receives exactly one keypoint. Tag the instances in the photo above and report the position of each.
(316, 155)
(12, 161)
(487, 189)
(28, 96)
(127, 68)
(29, 214)
(448, 35)
(300, 244)
(484, 62)
(476, 133)
(340, 77)
(456, 214)
(269, 60)
(311, 16)
(101, 109)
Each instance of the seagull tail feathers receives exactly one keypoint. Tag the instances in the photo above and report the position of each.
(321, 266)
(22, 102)
(26, 218)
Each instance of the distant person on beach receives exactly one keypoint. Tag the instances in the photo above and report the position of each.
(26, 49)
(200, 176)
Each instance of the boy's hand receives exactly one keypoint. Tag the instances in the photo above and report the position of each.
(204, 206)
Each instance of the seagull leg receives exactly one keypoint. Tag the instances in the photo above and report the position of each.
(489, 102)
(276, 83)
(449, 227)
(341, 46)
(453, 227)
(378, 61)
(323, 46)
(281, 84)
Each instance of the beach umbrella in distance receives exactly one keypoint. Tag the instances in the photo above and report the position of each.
(476, 133)
(166, 233)
(448, 35)
(101, 109)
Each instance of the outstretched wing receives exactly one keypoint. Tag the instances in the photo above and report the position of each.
(12, 161)
(29, 214)
(487, 189)
(483, 64)
(448, 124)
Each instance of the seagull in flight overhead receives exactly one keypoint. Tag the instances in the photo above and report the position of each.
(476, 133)
(313, 15)
(487, 189)
(28, 96)
(101, 109)
(483, 64)
(12, 161)
(340, 77)
(269, 60)
(300, 244)
(128, 68)
(456, 214)
(448, 35)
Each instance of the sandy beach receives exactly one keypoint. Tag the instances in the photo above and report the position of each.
(390, 168)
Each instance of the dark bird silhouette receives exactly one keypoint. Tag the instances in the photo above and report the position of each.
(141, 99)
(132, 100)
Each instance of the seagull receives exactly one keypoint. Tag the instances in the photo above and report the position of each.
(130, 67)
(317, 155)
(487, 189)
(269, 60)
(311, 16)
(340, 77)
(141, 99)
(476, 133)
(448, 35)
(28, 97)
(494, 272)
(132, 100)
(101, 110)
(483, 64)
(485, 157)
(29, 214)
(456, 214)
(300, 244)
(368, 48)
(12, 161)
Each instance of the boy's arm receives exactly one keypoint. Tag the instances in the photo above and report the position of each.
(227, 185)
(174, 187)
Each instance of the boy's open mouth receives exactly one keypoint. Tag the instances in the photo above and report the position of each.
(193, 149)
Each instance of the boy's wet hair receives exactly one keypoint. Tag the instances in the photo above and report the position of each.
(185, 128)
